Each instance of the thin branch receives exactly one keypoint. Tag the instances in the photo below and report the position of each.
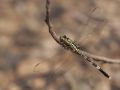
(56, 38)
(47, 20)
(104, 59)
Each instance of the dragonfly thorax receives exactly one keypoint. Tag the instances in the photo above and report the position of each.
(68, 43)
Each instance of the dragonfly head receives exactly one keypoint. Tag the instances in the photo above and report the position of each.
(65, 41)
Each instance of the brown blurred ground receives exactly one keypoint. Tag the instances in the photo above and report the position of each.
(31, 60)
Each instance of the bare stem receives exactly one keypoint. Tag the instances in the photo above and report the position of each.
(56, 38)
(47, 20)
(105, 59)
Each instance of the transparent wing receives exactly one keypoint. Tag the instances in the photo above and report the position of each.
(92, 26)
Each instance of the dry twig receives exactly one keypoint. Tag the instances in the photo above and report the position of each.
(56, 38)
(47, 20)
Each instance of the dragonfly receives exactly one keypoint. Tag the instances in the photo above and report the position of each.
(69, 44)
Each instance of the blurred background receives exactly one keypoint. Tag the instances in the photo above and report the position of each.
(31, 60)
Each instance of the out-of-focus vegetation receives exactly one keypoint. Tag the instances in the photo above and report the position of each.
(31, 60)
